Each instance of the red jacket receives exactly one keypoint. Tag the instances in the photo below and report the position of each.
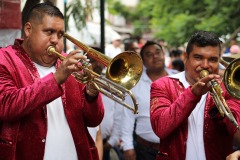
(171, 104)
(23, 114)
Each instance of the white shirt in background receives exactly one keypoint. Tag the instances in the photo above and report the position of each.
(111, 122)
(143, 125)
(93, 132)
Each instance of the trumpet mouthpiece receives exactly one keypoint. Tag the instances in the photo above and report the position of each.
(50, 50)
(204, 73)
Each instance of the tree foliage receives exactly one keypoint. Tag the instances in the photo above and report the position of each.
(176, 20)
(172, 20)
(81, 11)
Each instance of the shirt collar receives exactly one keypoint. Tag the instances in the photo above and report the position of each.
(182, 78)
(145, 76)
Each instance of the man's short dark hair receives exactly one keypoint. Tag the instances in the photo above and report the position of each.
(176, 53)
(203, 39)
(38, 11)
(128, 44)
(149, 43)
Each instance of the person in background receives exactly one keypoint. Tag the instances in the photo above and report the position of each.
(231, 43)
(141, 42)
(132, 45)
(178, 64)
(110, 125)
(183, 113)
(146, 141)
(175, 54)
(44, 111)
(163, 43)
(114, 48)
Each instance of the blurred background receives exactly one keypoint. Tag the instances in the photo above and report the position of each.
(95, 22)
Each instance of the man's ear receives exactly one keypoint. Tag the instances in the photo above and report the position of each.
(27, 29)
(185, 56)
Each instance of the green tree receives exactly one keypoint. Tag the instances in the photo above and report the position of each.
(176, 20)
(81, 11)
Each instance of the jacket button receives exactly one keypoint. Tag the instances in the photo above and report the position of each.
(43, 140)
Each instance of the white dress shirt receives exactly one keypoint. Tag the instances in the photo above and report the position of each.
(143, 125)
(93, 132)
(111, 122)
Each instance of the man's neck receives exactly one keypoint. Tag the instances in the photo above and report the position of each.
(154, 75)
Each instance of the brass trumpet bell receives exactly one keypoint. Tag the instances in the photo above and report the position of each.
(231, 78)
(125, 69)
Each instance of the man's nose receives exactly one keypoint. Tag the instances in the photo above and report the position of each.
(205, 64)
(54, 39)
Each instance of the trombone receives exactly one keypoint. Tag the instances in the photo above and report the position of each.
(231, 79)
(123, 73)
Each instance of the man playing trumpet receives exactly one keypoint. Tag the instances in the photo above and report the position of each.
(45, 112)
(183, 113)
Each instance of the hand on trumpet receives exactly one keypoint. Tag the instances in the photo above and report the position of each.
(234, 156)
(203, 85)
(91, 90)
(69, 65)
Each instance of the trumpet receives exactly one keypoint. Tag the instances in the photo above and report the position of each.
(216, 92)
(123, 73)
(231, 76)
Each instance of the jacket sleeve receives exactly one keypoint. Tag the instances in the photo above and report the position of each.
(20, 91)
(171, 105)
(16, 102)
(93, 111)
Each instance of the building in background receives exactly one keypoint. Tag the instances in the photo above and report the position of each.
(89, 35)
(10, 21)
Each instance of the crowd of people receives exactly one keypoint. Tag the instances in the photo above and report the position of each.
(46, 114)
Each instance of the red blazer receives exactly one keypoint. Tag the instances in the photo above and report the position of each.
(171, 104)
(23, 114)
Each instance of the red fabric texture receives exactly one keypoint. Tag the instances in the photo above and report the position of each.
(23, 111)
(171, 104)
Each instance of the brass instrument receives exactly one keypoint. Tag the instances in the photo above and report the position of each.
(231, 76)
(123, 73)
(216, 93)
